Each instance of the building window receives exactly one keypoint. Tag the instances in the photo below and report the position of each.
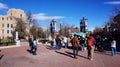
(11, 14)
(7, 25)
(2, 18)
(3, 37)
(21, 15)
(11, 31)
(8, 31)
(11, 25)
(3, 31)
(7, 18)
(2, 25)
(10, 18)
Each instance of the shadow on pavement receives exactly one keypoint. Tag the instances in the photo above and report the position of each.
(64, 54)
(29, 51)
(78, 55)
(103, 53)
(1, 56)
(51, 48)
(118, 53)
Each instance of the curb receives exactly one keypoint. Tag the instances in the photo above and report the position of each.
(4, 47)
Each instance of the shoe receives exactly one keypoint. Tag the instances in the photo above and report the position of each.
(91, 59)
(88, 57)
(34, 54)
(75, 57)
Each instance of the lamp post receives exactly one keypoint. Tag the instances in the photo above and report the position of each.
(52, 30)
(84, 25)
(60, 29)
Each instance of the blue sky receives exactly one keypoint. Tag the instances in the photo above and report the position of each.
(68, 11)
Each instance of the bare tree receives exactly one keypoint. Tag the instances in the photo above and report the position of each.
(20, 28)
(97, 30)
(29, 21)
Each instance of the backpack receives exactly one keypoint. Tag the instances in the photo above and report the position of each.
(94, 42)
(34, 43)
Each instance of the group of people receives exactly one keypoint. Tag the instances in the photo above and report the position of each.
(90, 46)
(88, 43)
(33, 46)
(76, 42)
(61, 40)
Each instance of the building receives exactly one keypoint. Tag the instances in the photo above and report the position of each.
(110, 27)
(83, 25)
(8, 22)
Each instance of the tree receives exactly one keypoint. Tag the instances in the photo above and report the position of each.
(64, 29)
(97, 30)
(29, 21)
(41, 33)
(37, 32)
(33, 31)
(20, 28)
(117, 20)
(114, 24)
(29, 17)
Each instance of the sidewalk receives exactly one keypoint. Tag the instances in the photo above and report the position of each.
(47, 57)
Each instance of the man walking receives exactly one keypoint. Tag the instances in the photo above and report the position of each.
(90, 47)
(65, 40)
(35, 43)
(30, 44)
(75, 44)
(113, 47)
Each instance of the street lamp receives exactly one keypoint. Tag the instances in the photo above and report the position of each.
(52, 30)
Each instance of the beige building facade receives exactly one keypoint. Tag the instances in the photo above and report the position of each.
(8, 22)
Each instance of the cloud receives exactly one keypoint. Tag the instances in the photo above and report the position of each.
(3, 6)
(112, 2)
(43, 16)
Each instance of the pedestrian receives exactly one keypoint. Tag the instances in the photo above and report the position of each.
(98, 43)
(52, 43)
(65, 40)
(90, 47)
(113, 47)
(85, 44)
(82, 41)
(30, 44)
(75, 45)
(35, 43)
(58, 42)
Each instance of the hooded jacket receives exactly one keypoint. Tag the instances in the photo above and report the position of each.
(90, 41)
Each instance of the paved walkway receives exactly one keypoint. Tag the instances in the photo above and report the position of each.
(46, 57)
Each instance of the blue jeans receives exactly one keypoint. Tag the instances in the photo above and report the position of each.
(82, 47)
(35, 50)
(75, 51)
(60, 45)
(66, 45)
(113, 51)
(52, 43)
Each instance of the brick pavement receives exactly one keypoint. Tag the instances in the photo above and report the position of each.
(46, 57)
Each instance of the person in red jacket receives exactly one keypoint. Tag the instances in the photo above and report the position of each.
(90, 47)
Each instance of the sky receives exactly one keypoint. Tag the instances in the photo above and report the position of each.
(64, 11)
